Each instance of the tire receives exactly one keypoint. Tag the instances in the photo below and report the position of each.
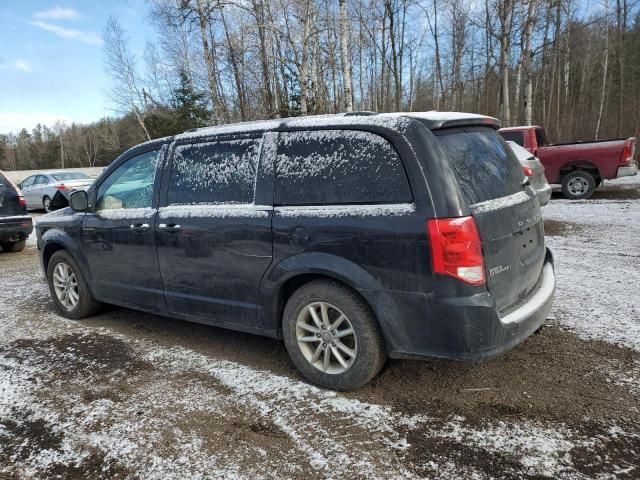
(46, 203)
(368, 353)
(578, 185)
(13, 247)
(85, 305)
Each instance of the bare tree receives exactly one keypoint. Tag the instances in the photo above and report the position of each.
(344, 54)
(126, 92)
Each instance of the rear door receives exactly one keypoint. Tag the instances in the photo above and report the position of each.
(40, 190)
(214, 242)
(506, 211)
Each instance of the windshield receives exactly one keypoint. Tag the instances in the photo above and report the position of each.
(483, 164)
(65, 176)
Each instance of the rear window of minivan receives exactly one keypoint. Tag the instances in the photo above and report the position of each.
(484, 165)
(332, 167)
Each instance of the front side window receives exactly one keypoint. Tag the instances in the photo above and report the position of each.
(214, 173)
(130, 185)
(332, 167)
(28, 181)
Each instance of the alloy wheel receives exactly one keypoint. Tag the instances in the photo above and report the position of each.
(326, 337)
(65, 285)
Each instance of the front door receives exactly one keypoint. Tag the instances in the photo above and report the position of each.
(119, 236)
(214, 242)
(26, 187)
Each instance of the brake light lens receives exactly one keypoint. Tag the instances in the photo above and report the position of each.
(528, 171)
(22, 201)
(456, 249)
(62, 186)
(627, 153)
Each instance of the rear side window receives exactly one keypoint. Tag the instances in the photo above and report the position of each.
(332, 167)
(516, 137)
(214, 173)
(484, 165)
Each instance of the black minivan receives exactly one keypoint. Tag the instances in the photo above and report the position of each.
(353, 237)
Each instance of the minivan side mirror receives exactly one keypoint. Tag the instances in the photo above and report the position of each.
(78, 201)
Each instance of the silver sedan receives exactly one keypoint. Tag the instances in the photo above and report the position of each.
(40, 188)
(534, 170)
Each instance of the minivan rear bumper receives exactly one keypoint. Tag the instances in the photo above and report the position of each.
(463, 328)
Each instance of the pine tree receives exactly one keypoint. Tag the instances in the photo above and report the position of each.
(190, 105)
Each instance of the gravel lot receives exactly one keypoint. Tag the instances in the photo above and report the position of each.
(131, 395)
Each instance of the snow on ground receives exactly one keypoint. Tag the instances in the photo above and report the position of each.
(598, 267)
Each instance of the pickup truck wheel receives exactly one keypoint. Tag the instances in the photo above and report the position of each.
(332, 336)
(13, 247)
(578, 185)
(69, 288)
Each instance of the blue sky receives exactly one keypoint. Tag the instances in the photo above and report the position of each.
(51, 58)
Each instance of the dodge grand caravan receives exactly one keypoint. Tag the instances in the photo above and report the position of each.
(351, 237)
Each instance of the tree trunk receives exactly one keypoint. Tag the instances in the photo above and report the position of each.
(208, 60)
(394, 55)
(603, 92)
(258, 9)
(344, 57)
(505, 11)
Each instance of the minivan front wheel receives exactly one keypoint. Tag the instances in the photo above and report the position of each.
(69, 288)
(332, 336)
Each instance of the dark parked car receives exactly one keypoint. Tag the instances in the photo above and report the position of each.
(15, 224)
(351, 237)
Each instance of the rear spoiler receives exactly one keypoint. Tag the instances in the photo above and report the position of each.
(436, 120)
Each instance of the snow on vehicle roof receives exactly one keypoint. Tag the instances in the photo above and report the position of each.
(433, 119)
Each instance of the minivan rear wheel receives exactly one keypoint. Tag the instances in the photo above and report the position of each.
(332, 336)
(69, 288)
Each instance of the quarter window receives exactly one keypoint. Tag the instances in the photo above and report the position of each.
(214, 173)
(130, 185)
(332, 167)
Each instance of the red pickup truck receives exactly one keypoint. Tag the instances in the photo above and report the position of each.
(579, 167)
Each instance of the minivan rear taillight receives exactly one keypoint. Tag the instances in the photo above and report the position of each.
(528, 171)
(456, 249)
(22, 201)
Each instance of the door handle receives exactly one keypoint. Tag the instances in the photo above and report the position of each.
(172, 228)
(139, 227)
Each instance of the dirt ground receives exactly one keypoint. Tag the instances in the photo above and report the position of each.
(130, 395)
